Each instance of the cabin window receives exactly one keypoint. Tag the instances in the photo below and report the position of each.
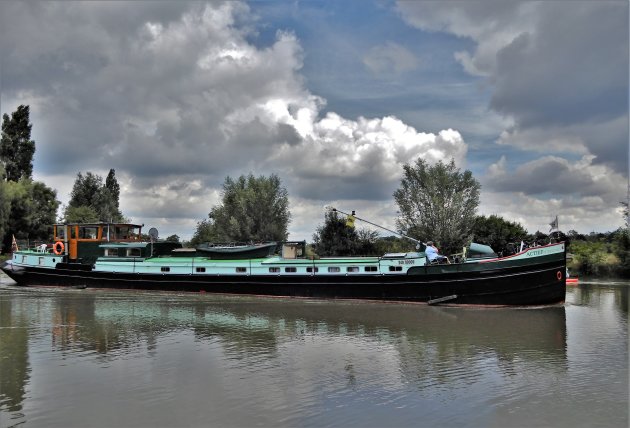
(395, 268)
(112, 232)
(241, 270)
(88, 232)
(371, 269)
(352, 269)
(274, 270)
(124, 232)
(312, 269)
(290, 269)
(120, 233)
(73, 232)
(333, 269)
(200, 269)
(134, 252)
(60, 233)
(111, 252)
(165, 269)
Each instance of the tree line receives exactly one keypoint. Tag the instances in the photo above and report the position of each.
(435, 202)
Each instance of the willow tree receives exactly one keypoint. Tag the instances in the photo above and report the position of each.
(252, 209)
(438, 203)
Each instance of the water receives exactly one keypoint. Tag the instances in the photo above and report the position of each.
(93, 358)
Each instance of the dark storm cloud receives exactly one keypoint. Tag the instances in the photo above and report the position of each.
(134, 92)
(49, 44)
(555, 67)
(356, 188)
(550, 176)
(572, 68)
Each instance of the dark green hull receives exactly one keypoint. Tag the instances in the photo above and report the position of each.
(533, 281)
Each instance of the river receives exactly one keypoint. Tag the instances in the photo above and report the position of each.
(95, 358)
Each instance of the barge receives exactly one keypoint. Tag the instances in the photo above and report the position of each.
(108, 255)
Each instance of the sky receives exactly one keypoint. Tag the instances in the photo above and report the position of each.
(333, 97)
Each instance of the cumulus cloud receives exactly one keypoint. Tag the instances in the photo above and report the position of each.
(585, 194)
(356, 148)
(175, 96)
(582, 213)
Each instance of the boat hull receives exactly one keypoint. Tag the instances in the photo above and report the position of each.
(502, 282)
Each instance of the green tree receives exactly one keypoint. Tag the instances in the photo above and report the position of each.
(252, 209)
(33, 209)
(393, 244)
(5, 205)
(368, 242)
(84, 189)
(622, 240)
(335, 237)
(537, 238)
(573, 235)
(590, 257)
(80, 214)
(437, 203)
(497, 232)
(44, 209)
(114, 188)
(98, 201)
(204, 233)
(16, 147)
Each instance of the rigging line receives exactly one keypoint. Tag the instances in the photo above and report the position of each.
(382, 227)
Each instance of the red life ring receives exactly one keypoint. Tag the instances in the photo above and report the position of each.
(559, 276)
(58, 248)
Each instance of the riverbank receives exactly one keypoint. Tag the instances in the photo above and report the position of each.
(597, 265)
(605, 256)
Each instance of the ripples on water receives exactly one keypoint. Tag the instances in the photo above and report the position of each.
(104, 358)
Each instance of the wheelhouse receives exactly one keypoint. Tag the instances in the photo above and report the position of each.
(81, 240)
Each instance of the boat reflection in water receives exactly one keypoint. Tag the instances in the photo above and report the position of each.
(258, 325)
(288, 359)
